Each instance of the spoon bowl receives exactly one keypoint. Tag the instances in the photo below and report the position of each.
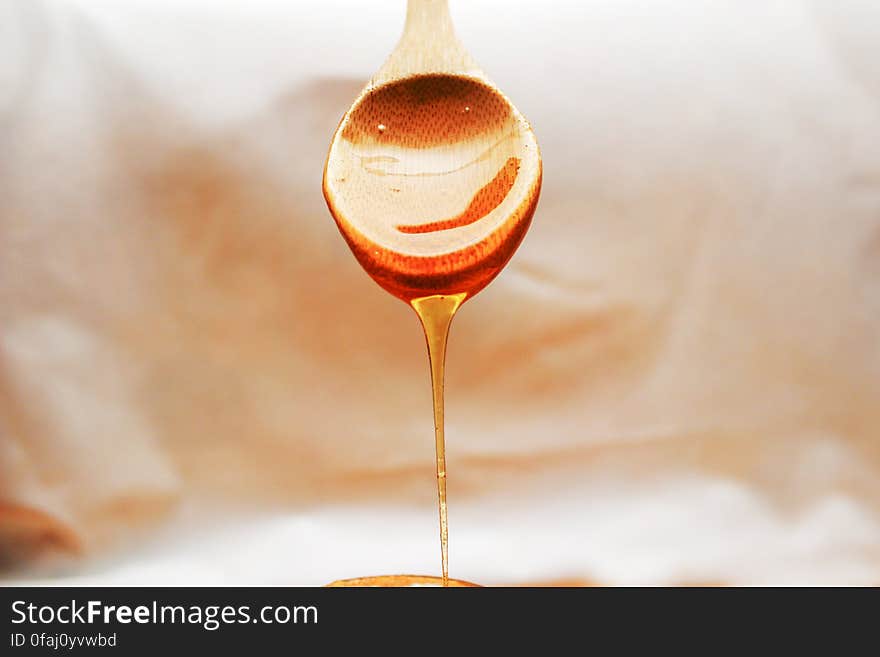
(432, 175)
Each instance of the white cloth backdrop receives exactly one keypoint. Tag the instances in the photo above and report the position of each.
(676, 380)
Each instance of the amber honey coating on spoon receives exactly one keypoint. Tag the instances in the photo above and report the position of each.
(433, 180)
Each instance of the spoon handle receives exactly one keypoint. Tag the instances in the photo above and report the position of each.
(428, 20)
(428, 45)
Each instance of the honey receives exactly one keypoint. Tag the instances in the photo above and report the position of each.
(432, 179)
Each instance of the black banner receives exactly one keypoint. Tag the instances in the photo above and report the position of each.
(133, 621)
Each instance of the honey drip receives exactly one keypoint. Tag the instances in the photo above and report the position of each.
(436, 313)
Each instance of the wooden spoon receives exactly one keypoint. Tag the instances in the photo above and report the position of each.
(433, 175)
(432, 178)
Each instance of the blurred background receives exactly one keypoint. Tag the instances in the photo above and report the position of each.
(675, 381)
